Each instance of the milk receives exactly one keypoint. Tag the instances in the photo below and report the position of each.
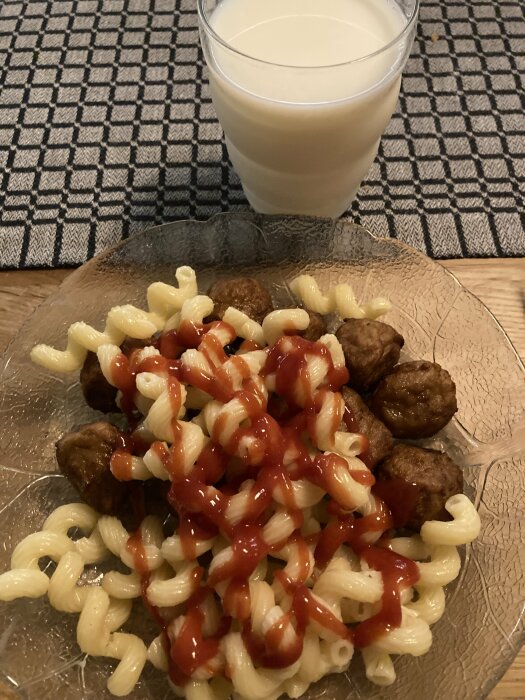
(301, 114)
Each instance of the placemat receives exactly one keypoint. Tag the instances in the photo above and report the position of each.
(106, 128)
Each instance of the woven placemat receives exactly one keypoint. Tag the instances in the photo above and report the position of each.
(106, 128)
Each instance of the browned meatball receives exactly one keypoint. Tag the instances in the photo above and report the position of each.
(416, 483)
(98, 392)
(415, 400)
(371, 349)
(316, 327)
(144, 498)
(360, 419)
(83, 457)
(131, 344)
(244, 293)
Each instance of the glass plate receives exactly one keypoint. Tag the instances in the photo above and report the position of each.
(483, 626)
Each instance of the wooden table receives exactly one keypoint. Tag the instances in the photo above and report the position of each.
(498, 283)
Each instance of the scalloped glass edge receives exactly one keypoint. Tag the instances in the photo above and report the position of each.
(275, 231)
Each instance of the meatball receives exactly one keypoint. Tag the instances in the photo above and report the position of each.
(131, 344)
(416, 483)
(360, 419)
(143, 498)
(415, 400)
(371, 349)
(83, 457)
(316, 327)
(98, 392)
(244, 293)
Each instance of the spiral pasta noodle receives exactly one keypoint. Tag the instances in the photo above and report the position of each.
(341, 300)
(121, 321)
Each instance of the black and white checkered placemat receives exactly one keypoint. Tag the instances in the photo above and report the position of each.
(106, 127)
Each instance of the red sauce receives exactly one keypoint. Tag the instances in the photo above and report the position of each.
(400, 497)
(213, 350)
(303, 557)
(328, 469)
(127, 445)
(168, 346)
(157, 364)
(194, 528)
(363, 477)
(288, 360)
(378, 521)
(335, 534)
(307, 609)
(249, 548)
(190, 650)
(135, 547)
(172, 344)
(270, 651)
(121, 465)
(274, 650)
(202, 496)
(397, 572)
(249, 346)
(275, 636)
(124, 379)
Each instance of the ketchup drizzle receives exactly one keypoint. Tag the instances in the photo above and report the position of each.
(201, 499)
(190, 649)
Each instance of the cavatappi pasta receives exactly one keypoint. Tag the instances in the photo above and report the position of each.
(277, 569)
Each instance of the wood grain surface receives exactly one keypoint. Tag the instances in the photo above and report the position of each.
(500, 284)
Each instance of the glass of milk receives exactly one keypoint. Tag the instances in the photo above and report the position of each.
(303, 90)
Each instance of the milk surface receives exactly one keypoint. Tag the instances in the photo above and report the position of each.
(303, 122)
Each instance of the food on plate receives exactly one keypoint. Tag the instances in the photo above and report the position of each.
(340, 300)
(243, 293)
(83, 456)
(98, 392)
(425, 478)
(415, 400)
(315, 329)
(358, 418)
(371, 350)
(241, 502)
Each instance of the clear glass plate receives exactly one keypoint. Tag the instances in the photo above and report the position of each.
(483, 626)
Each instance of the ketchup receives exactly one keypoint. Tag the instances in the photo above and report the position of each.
(275, 455)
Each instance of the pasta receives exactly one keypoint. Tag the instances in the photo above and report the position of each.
(277, 568)
(340, 300)
(121, 321)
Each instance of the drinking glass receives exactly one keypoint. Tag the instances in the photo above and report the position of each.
(303, 137)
